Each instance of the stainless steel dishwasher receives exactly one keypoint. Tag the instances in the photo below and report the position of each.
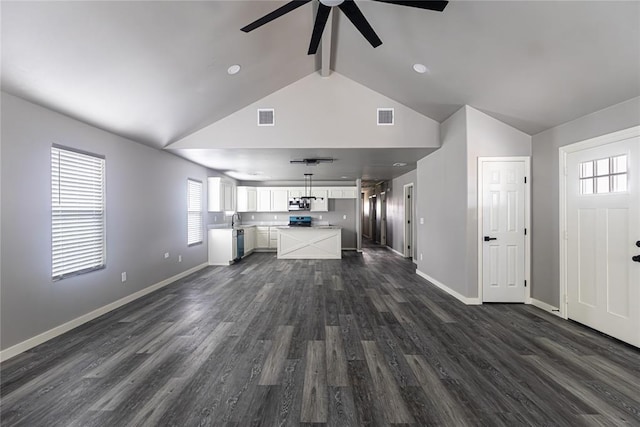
(239, 244)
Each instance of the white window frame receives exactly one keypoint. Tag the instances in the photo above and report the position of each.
(78, 212)
(195, 217)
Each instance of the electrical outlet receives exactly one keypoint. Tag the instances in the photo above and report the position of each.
(275, 217)
(421, 220)
(215, 218)
(253, 217)
(166, 255)
(320, 217)
(124, 276)
(344, 217)
(179, 258)
(420, 256)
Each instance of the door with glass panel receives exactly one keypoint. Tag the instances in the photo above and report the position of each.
(603, 238)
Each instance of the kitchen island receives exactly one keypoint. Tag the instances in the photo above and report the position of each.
(319, 242)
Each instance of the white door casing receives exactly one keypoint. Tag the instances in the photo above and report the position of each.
(602, 228)
(503, 225)
(408, 221)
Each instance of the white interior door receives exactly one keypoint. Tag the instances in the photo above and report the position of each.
(603, 231)
(503, 231)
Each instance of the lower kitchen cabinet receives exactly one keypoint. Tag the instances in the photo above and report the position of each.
(262, 237)
(249, 239)
(222, 246)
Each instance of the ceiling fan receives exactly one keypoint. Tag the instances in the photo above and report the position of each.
(349, 8)
(312, 161)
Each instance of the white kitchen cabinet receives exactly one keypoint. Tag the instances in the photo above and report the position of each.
(321, 201)
(249, 239)
(279, 200)
(343, 192)
(296, 192)
(264, 199)
(273, 237)
(247, 199)
(222, 246)
(262, 237)
(220, 195)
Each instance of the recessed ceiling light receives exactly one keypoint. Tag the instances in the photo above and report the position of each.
(399, 164)
(420, 68)
(234, 69)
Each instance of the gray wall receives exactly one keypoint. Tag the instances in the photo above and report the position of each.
(442, 203)
(447, 197)
(545, 188)
(337, 209)
(486, 137)
(146, 202)
(395, 209)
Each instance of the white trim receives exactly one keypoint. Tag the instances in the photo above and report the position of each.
(65, 327)
(404, 220)
(621, 135)
(455, 294)
(546, 307)
(527, 219)
(396, 252)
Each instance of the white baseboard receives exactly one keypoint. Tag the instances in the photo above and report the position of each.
(455, 294)
(65, 327)
(546, 307)
(395, 252)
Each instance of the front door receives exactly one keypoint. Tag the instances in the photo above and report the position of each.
(503, 231)
(603, 238)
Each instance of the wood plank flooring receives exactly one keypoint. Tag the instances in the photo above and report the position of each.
(351, 342)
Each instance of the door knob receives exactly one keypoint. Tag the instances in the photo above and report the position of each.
(636, 258)
(488, 239)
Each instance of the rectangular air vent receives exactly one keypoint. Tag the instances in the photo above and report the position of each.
(266, 117)
(385, 116)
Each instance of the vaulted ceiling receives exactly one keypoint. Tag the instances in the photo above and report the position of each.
(156, 71)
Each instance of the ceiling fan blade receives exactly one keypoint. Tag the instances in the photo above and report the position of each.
(424, 4)
(318, 28)
(354, 14)
(292, 5)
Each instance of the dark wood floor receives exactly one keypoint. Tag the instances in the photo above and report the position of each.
(357, 341)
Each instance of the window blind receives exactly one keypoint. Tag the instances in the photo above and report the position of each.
(194, 212)
(77, 212)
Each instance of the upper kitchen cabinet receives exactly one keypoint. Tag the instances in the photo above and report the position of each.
(343, 192)
(247, 199)
(273, 199)
(221, 195)
(321, 201)
(279, 200)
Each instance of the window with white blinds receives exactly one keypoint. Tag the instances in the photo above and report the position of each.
(194, 212)
(77, 212)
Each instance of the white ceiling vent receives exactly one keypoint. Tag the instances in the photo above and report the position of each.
(266, 117)
(385, 116)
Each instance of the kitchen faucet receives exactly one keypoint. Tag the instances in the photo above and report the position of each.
(233, 219)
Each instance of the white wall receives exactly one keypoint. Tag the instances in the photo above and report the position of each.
(145, 200)
(545, 188)
(333, 112)
(447, 199)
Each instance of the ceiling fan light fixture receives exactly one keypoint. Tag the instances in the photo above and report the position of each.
(420, 68)
(332, 3)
